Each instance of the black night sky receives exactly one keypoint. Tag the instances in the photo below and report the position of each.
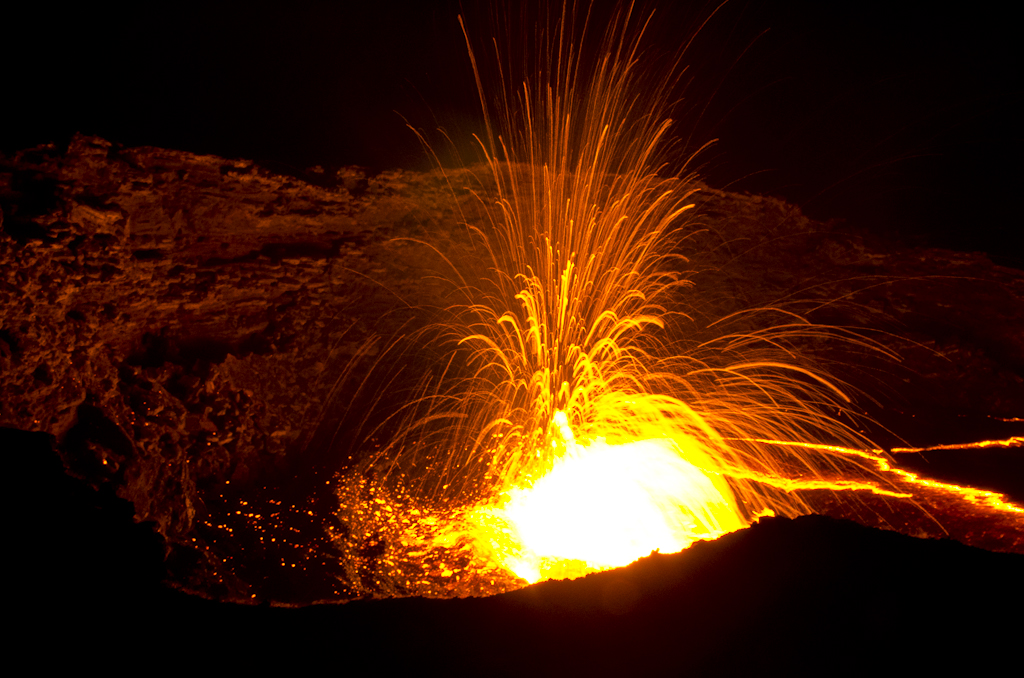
(898, 116)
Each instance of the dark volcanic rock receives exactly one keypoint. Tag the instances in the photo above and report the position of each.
(177, 320)
(180, 322)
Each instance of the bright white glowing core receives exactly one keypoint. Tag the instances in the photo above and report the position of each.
(608, 505)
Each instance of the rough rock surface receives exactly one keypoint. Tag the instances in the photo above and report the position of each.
(173, 318)
(179, 322)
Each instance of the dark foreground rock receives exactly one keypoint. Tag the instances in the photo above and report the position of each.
(810, 596)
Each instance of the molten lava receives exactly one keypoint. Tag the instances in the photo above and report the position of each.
(604, 505)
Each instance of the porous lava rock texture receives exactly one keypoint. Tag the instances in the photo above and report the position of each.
(180, 322)
(174, 318)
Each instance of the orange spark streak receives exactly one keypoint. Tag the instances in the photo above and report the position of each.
(1015, 441)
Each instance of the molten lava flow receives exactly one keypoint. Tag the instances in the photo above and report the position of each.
(604, 505)
(885, 467)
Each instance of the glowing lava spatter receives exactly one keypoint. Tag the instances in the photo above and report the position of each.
(568, 433)
(575, 404)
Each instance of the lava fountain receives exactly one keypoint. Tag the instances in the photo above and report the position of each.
(574, 427)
